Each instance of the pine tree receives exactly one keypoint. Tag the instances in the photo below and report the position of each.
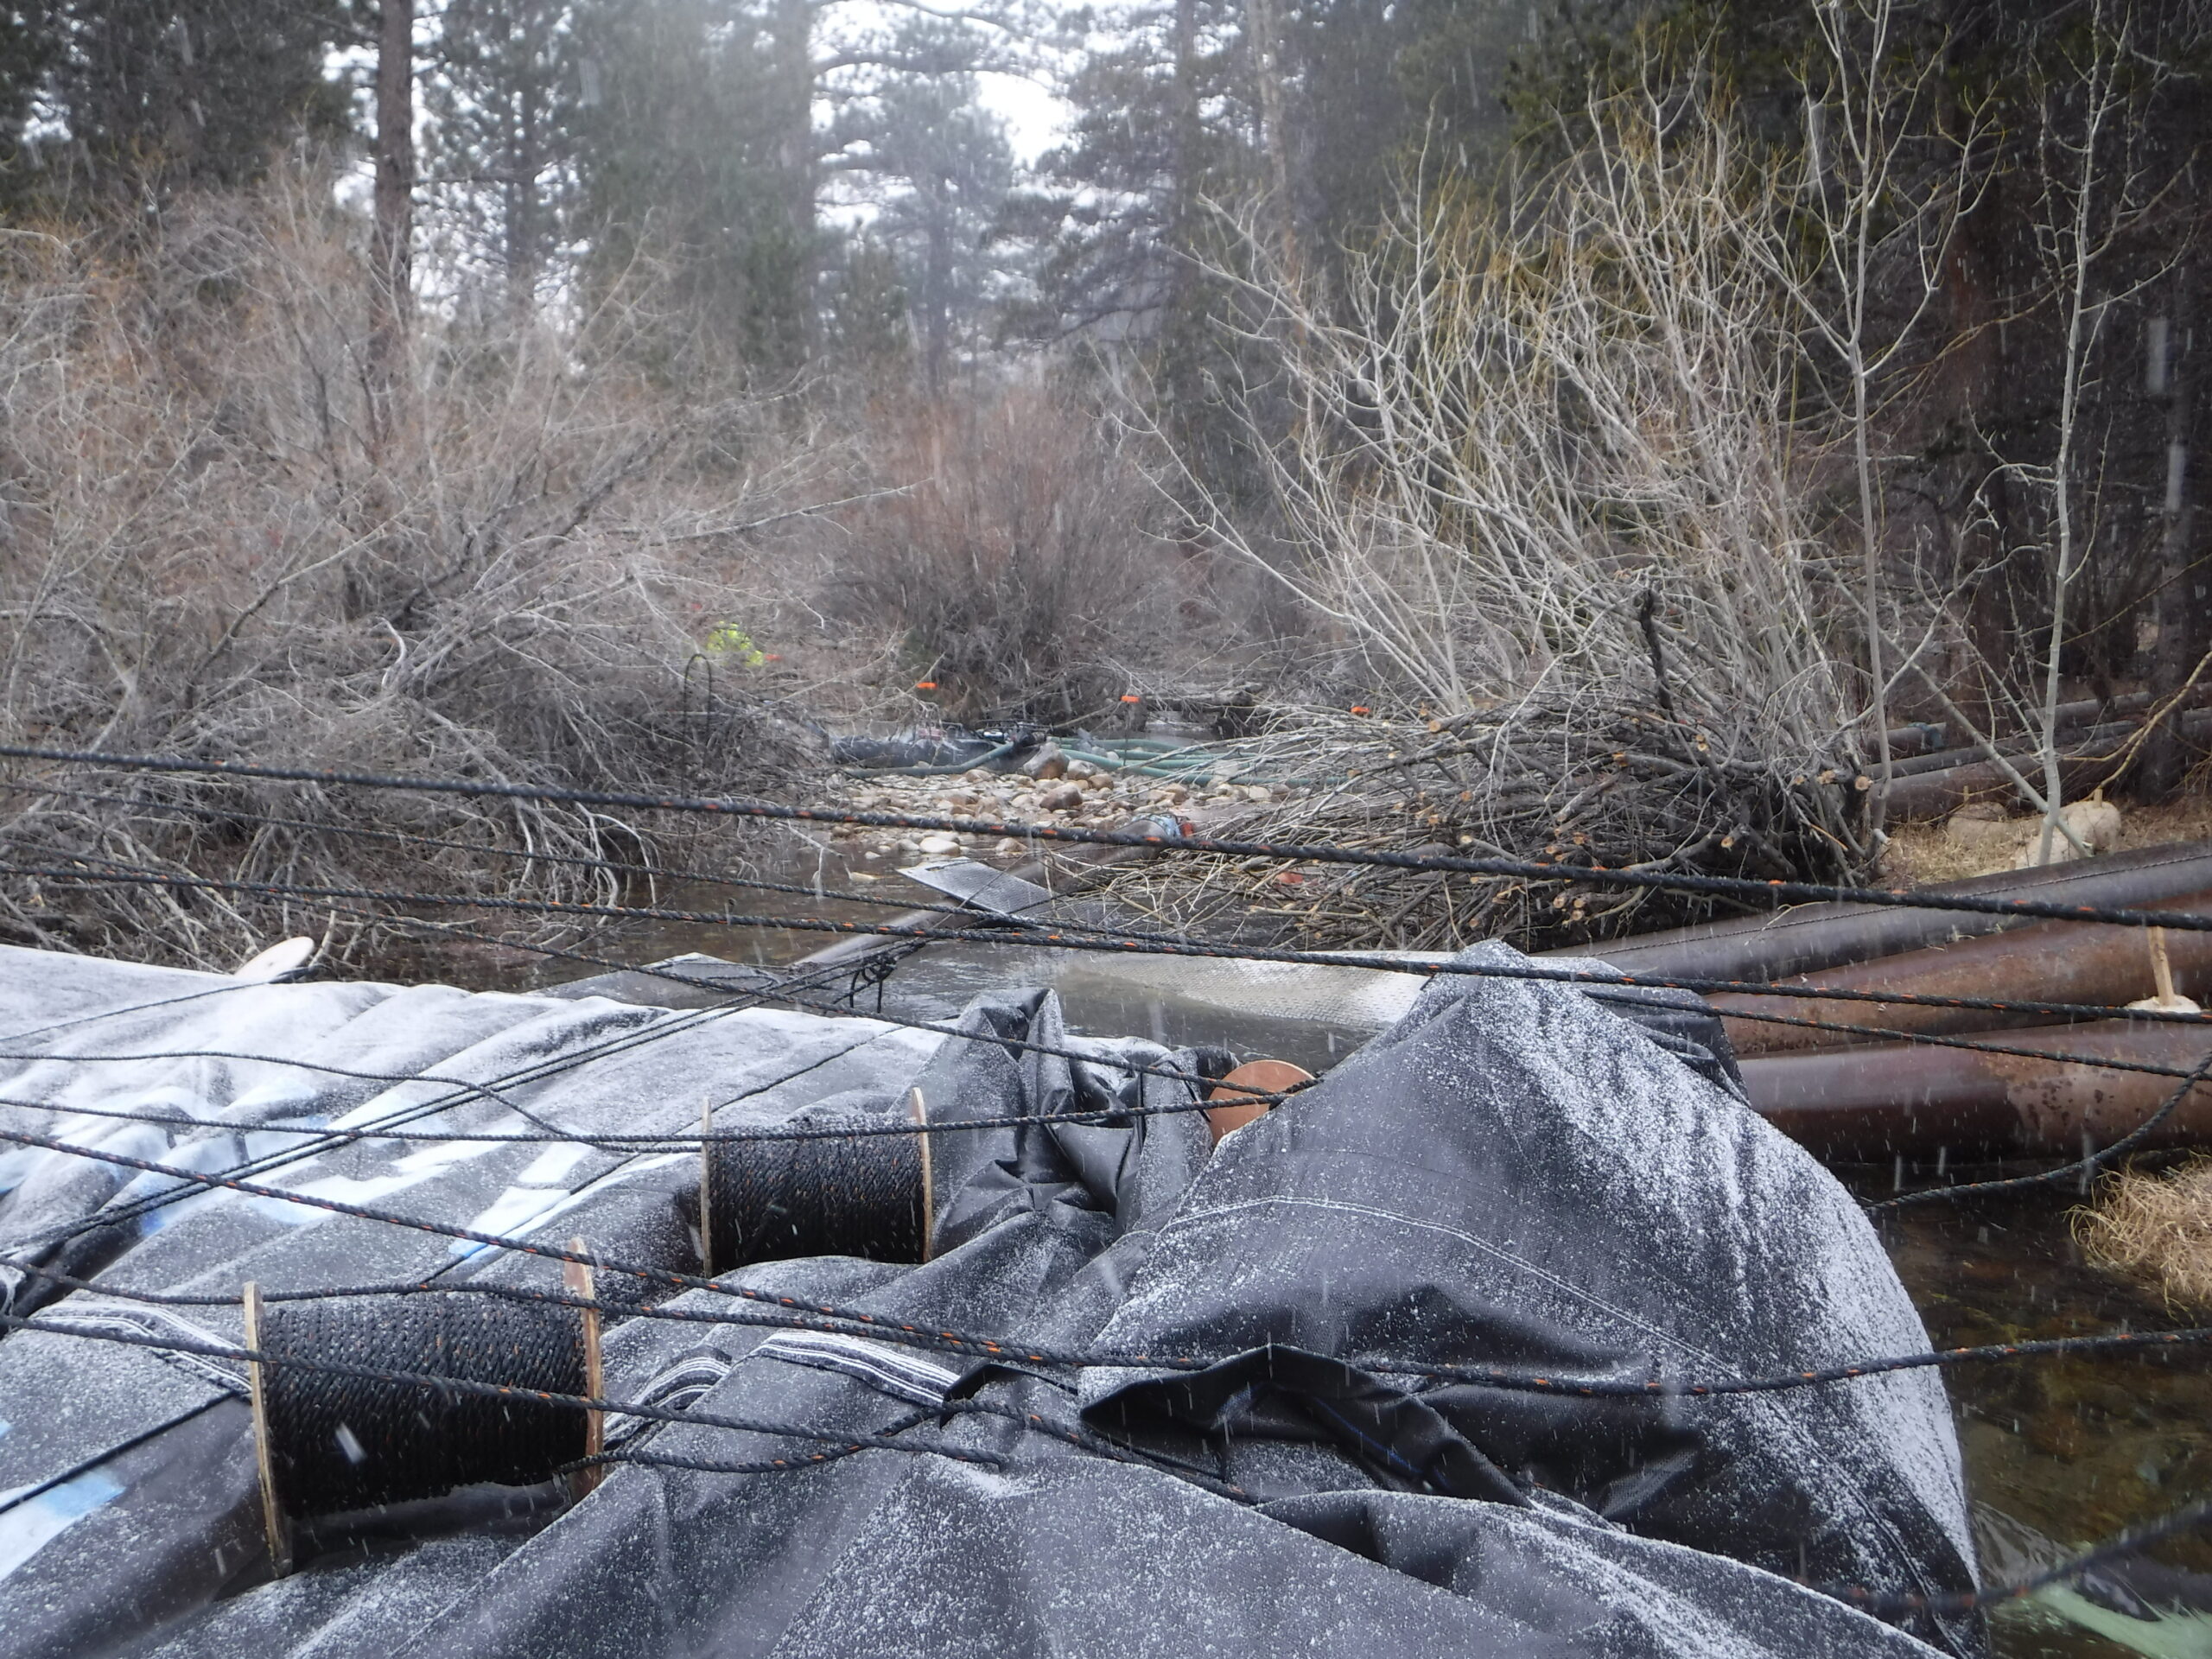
(940, 169)
(159, 95)
(505, 102)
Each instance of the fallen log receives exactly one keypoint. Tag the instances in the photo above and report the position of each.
(1916, 1100)
(2049, 962)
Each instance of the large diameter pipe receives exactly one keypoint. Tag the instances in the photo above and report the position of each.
(2049, 962)
(1806, 938)
(1914, 1100)
(1931, 794)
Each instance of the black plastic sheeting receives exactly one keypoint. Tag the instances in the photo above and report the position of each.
(1518, 1173)
(952, 749)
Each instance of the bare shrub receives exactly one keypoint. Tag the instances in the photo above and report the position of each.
(209, 546)
(1535, 468)
(1022, 564)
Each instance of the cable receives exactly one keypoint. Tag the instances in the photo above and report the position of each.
(1089, 1116)
(1115, 942)
(492, 849)
(657, 1031)
(1722, 886)
(2080, 1166)
(846, 1444)
(2133, 1541)
(791, 1312)
(434, 1381)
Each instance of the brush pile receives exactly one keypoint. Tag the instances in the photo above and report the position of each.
(218, 543)
(1595, 779)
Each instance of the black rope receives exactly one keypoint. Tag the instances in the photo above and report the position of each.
(1110, 941)
(494, 849)
(853, 1129)
(658, 1030)
(2133, 1541)
(829, 1193)
(1881, 1604)
(2080, 1167)
(357, 1438)
(787, 1311)
(514, 1395)
(1773, 892)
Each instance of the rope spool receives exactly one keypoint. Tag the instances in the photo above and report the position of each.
(325, 1443)
(773, 1200)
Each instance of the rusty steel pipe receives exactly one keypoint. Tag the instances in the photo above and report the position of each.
(1906, 1099)
(1930, 794)
(1806, 938)
(2049, 962)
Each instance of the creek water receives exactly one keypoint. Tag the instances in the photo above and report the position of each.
(2060, 1452)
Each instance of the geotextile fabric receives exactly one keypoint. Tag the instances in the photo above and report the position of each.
(1516, 1173)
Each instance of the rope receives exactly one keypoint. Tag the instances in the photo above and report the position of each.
(1879, 1604)
(514, 1396)
(791, 1312)
(329, 1140)
(1116, 942)
(1774, 892)
(851, 1129)
(353, 1438)
(828, 1194)
(2121, 1545)
(492, 849)
(2080, 1166)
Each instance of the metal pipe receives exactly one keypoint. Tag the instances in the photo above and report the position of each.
(1931, 794)
(1906, 1099)
(2049, 962)
(1806, 938)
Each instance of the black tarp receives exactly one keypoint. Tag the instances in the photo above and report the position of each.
(1518, 1173)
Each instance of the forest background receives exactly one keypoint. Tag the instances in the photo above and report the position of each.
(1602, 431)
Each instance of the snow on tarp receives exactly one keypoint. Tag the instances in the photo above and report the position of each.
(1517, 1172)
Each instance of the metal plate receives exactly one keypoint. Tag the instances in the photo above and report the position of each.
(977, 885)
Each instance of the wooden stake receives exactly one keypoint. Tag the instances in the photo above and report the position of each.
(577, 1279)
(273, 1524)
(2162, 971)
(919, 1109)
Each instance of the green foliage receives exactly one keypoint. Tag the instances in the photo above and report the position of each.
(941, 169)
(870, 336)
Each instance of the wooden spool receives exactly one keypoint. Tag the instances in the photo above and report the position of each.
(274, 1526)
(577, 1279)
(919, 1109)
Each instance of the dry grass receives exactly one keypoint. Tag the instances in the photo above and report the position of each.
(1925, 854)
(2157, 1229)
